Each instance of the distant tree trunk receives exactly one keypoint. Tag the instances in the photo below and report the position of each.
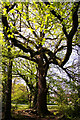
(35, 99)
(30, 99)
(35, 92)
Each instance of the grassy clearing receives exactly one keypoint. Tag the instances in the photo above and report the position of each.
(59, 112)
(22, 112)
(20, 106)
(25, 106)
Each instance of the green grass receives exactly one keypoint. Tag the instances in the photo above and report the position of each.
(57, 110)
(24, 107)
(20, 106)
(52, 107)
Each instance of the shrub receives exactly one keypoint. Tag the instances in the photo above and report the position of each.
(70, 112)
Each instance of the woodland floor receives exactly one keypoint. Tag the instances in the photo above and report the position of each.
(31, 114)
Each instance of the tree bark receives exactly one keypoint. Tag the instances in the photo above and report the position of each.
(35, 97)
(9, 85)
(4, 85)
(35, 92)
(7, 69)
(42, 94)
(8, 96)
(42, 89)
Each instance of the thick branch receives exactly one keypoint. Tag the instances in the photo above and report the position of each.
(26, 39)
(10, 8)
(75, 19)
(14, 40)
(72, 33)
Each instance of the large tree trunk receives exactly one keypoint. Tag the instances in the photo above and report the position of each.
(42, 90)
(42, 93)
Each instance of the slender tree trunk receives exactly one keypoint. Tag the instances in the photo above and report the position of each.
(30, 99)
(8, 96)
(9, 86)
(7, 115)
(35, 93)
(35, 100)
(4, 84)
(7, 83)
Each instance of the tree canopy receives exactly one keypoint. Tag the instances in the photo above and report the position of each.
(39, 22)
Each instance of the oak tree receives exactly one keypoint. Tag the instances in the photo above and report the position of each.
(42, 31)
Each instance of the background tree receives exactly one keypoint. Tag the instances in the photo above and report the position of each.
(27, 71)
(19, 94)
(61, 86)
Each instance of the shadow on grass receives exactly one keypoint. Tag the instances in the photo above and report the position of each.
(30, 114)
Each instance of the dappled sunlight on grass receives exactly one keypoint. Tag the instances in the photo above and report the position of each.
(63, 112)
(20, 106)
